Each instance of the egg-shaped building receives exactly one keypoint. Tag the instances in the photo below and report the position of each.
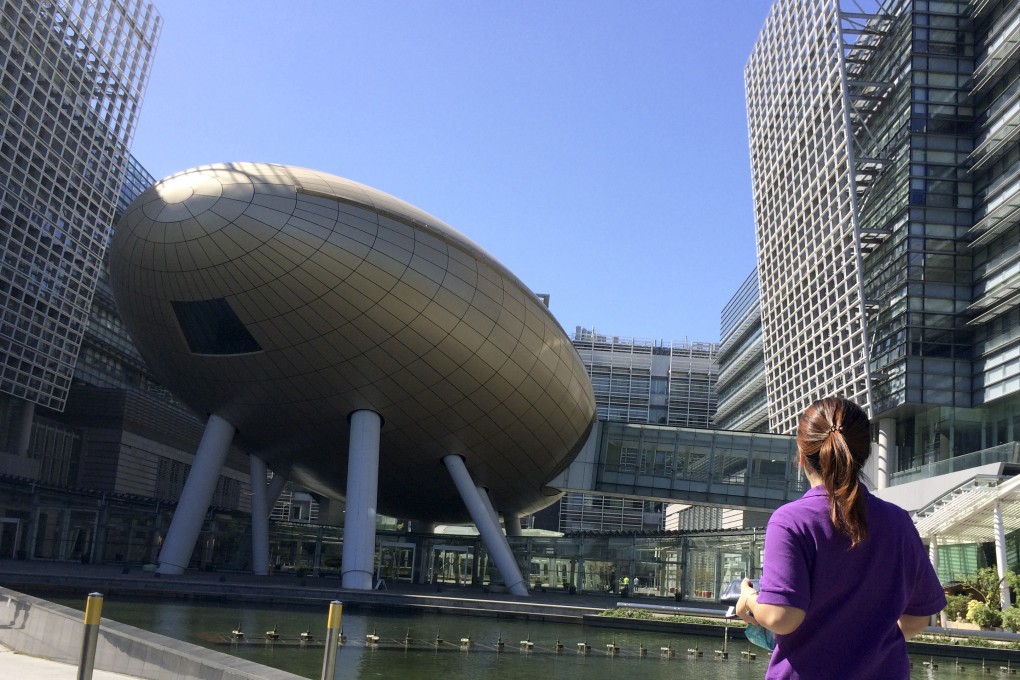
(283, 301)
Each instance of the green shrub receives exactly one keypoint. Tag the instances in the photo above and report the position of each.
(956, 606)
(987, 584)
(983, 614)
(1011, 619)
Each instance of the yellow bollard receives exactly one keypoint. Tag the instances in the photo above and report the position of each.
(336, 609)
(93, 613)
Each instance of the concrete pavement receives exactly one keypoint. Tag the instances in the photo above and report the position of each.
(14, 665)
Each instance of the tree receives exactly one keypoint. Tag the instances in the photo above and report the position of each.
(987, 585)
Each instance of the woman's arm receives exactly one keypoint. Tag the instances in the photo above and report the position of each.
(912, 625)
(779, 619)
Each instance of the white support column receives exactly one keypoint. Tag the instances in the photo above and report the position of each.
(885, 451)
(259, 516)
(482, 514)
(276, 485)
(196, 496)
(362, 492)
(933, 557)
(483, 493)
(512, 524)
(1001, 562)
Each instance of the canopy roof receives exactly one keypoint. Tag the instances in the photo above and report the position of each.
(966, 514)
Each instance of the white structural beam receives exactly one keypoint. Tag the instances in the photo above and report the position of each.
(933, 557)
(276, 485)
(886, 449)
(196, 496)
(259, 516)
(362, 493)
(969, 510)
(483, 515)
(1001, 562)
(483, 494)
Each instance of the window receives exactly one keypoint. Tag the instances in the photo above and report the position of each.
(211, 327)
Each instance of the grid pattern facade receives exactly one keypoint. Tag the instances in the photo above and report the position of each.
(804, 193)
(908, 115)
(73, 75)
(119, 431)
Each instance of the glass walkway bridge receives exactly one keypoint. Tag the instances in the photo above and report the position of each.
(743, 470)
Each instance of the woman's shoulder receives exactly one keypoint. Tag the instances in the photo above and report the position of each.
(800, 511)
(882, 505)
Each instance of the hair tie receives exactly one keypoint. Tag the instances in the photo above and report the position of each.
(834, 428)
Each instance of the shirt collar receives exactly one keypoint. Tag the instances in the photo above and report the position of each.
(820, 490)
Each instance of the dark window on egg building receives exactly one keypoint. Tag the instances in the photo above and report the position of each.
(212, 327)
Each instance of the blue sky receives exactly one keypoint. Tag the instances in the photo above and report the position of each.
(598, 149)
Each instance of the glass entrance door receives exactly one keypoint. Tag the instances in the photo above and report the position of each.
(10, 532)
(451, 564)
(396, 561)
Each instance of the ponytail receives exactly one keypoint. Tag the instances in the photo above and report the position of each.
(834, 438)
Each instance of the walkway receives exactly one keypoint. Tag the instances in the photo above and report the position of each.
(14, 665)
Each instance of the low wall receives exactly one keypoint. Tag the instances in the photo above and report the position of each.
(43, 629)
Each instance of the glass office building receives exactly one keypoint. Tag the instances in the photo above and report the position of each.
(646, 382)
(885, 154)
(743, 403)
(650, 381)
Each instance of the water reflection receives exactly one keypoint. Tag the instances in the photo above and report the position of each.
(422, 659)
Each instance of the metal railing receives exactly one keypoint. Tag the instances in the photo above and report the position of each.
(1003, 453)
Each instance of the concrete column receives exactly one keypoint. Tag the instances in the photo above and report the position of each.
(362, 492)
(512, 524)
(482, 514)
(99, 539)
(24, 429)
(196, 496)
(1001, 563)
(64, 536)
(317, 559)
(885, 451)
(33, 528)
(259, 516)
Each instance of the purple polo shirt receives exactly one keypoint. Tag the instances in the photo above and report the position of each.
(852, 598)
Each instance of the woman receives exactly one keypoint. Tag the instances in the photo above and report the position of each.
(845, 579)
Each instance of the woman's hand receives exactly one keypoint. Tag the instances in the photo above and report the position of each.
(742, 608)
(777, 618)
